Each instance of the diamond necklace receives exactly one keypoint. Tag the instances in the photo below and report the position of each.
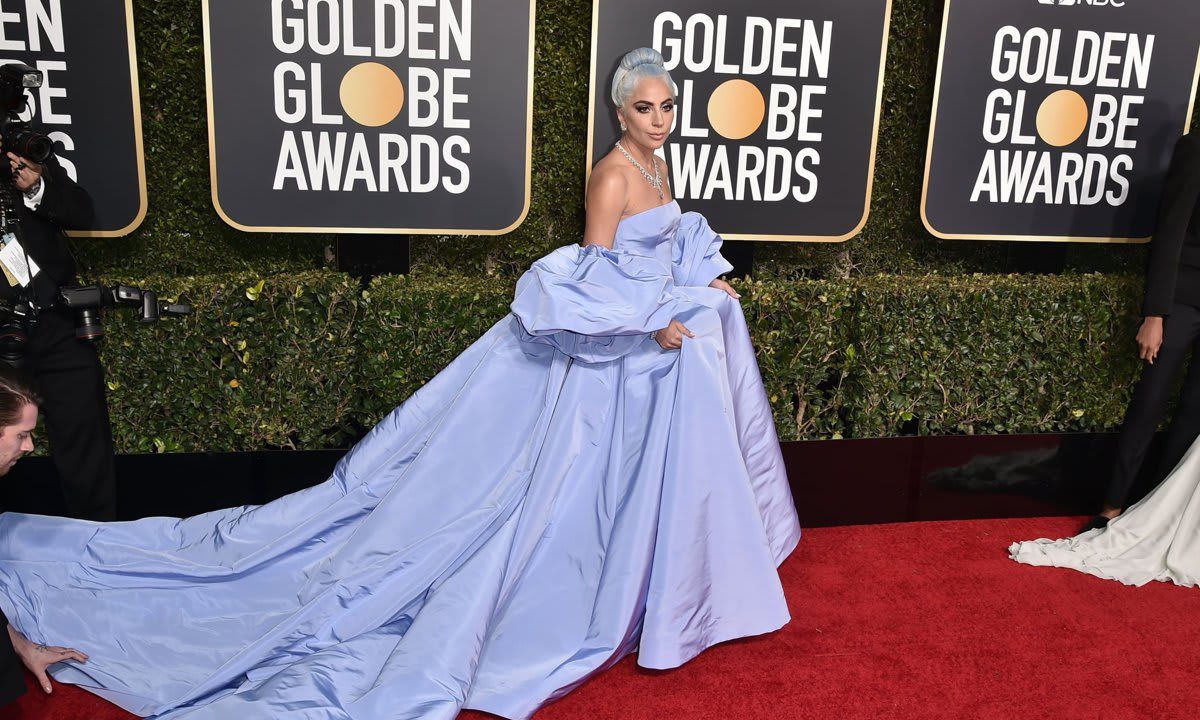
(655, 180)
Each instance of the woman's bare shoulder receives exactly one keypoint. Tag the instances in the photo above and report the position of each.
(608, 182)
(609, 165)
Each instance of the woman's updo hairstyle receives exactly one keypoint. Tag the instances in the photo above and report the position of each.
(636, 66)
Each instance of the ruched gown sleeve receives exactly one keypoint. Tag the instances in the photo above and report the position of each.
(593, 304)
(696, 253)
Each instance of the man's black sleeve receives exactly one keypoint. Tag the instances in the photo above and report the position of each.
(1180, 193)
(64, 202)
(12, 673)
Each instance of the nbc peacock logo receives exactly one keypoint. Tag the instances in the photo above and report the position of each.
(1092, 3)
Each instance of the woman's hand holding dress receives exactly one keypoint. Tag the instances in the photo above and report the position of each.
(671, 337)
(722, 285)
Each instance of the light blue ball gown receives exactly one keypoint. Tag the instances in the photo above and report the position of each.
(565, 492)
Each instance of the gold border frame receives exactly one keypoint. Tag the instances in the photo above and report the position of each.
(937, 90)
(212, 159)
(135, 91)
(887, 30)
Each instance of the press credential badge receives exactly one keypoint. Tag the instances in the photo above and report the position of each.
(13, 259)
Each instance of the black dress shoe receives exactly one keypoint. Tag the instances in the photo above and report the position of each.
(1095, 523)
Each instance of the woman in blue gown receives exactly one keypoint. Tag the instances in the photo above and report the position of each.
(598, 474)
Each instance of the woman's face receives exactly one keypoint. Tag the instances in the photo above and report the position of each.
(648, 113)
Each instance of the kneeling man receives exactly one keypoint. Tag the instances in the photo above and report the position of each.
(18, 417)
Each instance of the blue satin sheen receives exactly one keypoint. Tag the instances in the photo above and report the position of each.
(563, 493)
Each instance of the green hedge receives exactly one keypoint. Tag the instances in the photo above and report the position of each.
(801, 331)
(311, 360)
(991, 354)
(262, 364)
(413, 328)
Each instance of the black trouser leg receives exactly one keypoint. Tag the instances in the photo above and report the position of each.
(1185, 427)
(1150, 397)
(69, 377)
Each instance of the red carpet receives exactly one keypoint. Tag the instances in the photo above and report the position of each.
(911, 622)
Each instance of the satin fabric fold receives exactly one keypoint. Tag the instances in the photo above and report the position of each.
(563, 493)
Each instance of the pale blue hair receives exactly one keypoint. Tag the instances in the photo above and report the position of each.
(637, 65)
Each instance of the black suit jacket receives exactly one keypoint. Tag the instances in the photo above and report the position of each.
(12, 672)
(64, 205)
(1173, 271)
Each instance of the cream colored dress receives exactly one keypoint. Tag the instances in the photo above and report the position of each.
(1156, 539)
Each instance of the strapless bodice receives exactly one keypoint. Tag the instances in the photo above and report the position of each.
(597, 304)
(649, 233)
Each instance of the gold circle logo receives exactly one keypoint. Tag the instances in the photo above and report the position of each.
(736, 109)
(1062, 118)
(372, 94)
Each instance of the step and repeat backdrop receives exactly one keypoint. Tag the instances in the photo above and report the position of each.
(401, 116)
(88, 102)
(1055, 120)
(778, 111)
(1051, 120)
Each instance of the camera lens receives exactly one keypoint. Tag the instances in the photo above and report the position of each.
(87, 325)
(30, 144)
(12, 340)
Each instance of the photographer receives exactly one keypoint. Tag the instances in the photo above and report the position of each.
(45, 200)
(18, 417)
